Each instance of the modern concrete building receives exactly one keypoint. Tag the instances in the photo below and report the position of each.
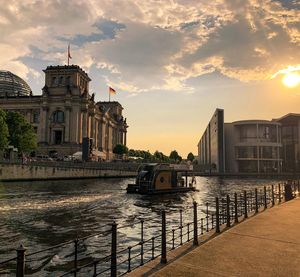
(66, 112)
(251, 146)
(290, 136)
(211, 145)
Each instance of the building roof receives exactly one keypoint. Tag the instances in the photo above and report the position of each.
(12, 85)
(109, 103)
(67, 67)
(289, 118)
(254, 121)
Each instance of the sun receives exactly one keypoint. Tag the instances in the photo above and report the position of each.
(291, 79)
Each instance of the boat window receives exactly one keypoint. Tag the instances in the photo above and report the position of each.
(162, 179)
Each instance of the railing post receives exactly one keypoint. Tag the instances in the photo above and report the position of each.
(256, 201)
(195, 224)
(152, 248)
(173, 239)
(163, 259)
(113, 260)
(273, 200)
(95, 268)
(217, 216)
(227, 210)
(207, 228)
(201, 226)
(20, 261)
(265, 198)
(129, 259)
(236, 216)
(180, 212)
(142, 242)
(279, 193)
(245, 203)
(75, 256)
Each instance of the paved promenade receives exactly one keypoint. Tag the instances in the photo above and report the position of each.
(267, 244)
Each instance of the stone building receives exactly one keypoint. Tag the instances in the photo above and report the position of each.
(66, 112)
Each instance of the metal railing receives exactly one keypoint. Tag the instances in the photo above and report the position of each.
(157, 237)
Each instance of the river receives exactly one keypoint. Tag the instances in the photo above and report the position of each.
(42, 214)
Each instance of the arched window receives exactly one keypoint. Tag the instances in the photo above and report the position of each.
(58, 117)
(61, 79)
(54, 81)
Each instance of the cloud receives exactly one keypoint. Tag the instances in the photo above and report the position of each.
(152, 45)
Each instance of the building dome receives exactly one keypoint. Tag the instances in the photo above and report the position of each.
(12, 85)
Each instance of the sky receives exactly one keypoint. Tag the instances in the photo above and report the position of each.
(172, 63)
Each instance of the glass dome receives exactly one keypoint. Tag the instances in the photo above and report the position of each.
(12, 85)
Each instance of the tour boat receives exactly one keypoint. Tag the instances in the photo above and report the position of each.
(157, 178)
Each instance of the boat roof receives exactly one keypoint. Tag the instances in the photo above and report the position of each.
(173, 167)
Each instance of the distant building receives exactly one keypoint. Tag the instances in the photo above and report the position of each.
(65, 113)
(211, 145)
(290, 136)
(251, 146)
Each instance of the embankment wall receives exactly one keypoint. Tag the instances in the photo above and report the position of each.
(19, 172)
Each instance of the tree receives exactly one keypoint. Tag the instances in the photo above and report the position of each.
(190, 156)
(21, 133)
(132, 153)
(174, 156)
(120, 149)
(3, 130)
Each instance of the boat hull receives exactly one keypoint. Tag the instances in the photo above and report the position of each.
(132, 188)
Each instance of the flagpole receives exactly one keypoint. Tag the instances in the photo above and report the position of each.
(68, 54)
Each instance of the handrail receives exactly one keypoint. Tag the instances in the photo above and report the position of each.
(225, 211)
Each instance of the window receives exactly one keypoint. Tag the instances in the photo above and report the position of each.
(267, 132)
(61, 80)
(54, 81)
(35, 117)
(58, 117)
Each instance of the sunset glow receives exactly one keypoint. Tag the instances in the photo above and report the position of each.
(291, 80)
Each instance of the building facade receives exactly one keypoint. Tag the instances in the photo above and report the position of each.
(211, 145)
(66, 113)
(251, 146)
(290, 135)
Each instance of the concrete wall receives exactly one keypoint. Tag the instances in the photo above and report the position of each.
(18, 172)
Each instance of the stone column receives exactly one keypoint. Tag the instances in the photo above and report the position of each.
(75, 124)
(88, 125)
(96, 132)
(92, 128)
(125, 138)
(67, 124)
(84, 124)
(99, 135)
(44, 125)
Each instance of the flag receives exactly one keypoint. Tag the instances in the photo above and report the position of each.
(112, 91)
(69, 53)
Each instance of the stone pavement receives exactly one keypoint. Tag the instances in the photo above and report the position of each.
(267, 244)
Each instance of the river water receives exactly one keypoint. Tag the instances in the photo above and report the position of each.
(42, 214)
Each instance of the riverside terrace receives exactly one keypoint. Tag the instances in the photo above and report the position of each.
(120, 255)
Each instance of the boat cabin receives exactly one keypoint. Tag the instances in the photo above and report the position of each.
(161, 178)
